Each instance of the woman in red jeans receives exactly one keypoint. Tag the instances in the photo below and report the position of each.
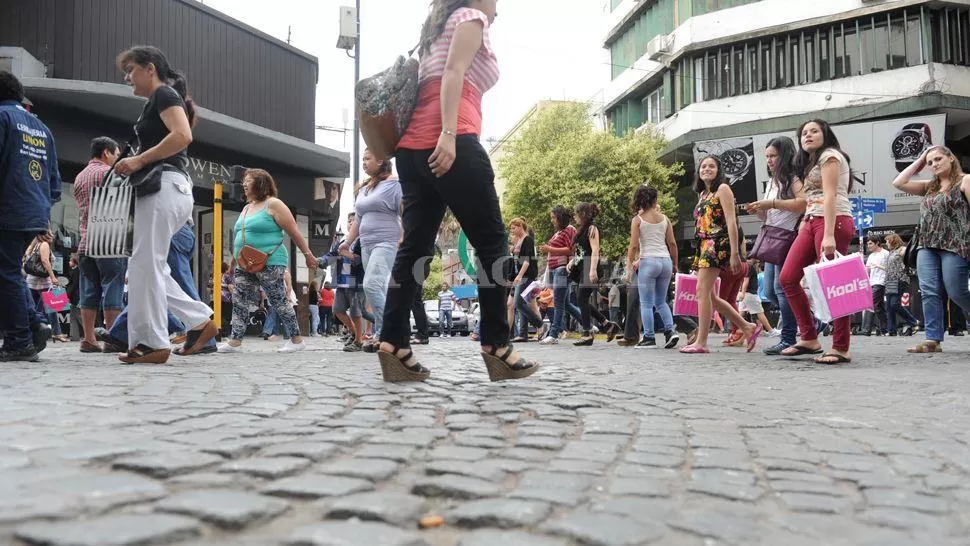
(827, 228)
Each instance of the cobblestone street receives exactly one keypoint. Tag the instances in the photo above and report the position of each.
(603, 446)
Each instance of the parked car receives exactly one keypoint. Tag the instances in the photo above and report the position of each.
(459, 320)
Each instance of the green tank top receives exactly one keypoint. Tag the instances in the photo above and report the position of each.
(262, 233)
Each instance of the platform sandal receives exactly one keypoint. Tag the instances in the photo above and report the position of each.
(500, 369)
(394, 369)
(195, 340)
(143, 354)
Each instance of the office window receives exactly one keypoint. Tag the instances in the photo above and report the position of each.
(794, 60)
(724, 73)
(738, 84)
(653, 105)
(809, 71)
(914, 38)
(824, 55)
(897, 42)
(699, 79)
(710, 76)
(780, 64)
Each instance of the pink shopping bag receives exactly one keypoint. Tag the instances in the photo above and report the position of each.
(56, 300)
(839, 287)
(685, 294)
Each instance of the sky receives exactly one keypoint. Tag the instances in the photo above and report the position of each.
(547, 49)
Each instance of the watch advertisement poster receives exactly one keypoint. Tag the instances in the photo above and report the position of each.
(879, 150)
(737, 162)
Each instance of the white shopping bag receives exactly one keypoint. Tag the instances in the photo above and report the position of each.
(530, 291)
(839, 287)
(111, 219)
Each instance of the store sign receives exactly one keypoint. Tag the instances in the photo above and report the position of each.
(205, 173)
(879, 151)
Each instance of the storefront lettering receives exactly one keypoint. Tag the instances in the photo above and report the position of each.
(206, 173)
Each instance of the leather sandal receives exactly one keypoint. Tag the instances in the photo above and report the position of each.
(394, 369)
(195, 340)
(928, 346)
(143, 354)
(499, 368)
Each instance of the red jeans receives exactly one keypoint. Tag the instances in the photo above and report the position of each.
(731, 285)
(804, 252)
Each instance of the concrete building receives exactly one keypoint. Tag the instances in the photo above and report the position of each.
(256, 98)
(725, 76)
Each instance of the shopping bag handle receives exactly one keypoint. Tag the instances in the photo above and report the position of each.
(825, 258)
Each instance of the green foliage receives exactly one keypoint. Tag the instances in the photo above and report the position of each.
(561, 159)
(432, 285)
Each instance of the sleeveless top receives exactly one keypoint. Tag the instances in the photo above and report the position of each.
(653, 239)
(813, 186)
(425, 127)
(944, 217)
(263, 234)
(785, 219)
(711, 223)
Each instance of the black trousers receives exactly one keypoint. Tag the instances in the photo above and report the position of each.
(589, 309)
(879, 309)
(468, 189)
(420, 315)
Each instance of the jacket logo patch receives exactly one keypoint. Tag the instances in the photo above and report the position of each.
(36, 170)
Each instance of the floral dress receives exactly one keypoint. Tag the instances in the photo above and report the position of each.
(711, 234)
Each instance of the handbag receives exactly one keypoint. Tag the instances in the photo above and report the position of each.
(892, 287)
(33, 265)
(385, 103)
(773, 243)
(251, 259)
(912, 248)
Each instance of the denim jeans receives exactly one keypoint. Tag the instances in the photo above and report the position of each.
(102, 282)
(524, 315)
(894, 304)
(774, 293)
(378, 262)
(271, 322)
(444, 321)
(653, 280)
(37, 297)
(937, 269)
(560, 299)
(314, 319)
(180, 251)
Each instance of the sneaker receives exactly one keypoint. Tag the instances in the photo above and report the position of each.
(672, 339)
(776, 349)
(774, 333)
(24, 354)
(352, 347)
(549, 340)
(647, 343)
(276, 337)
(291, 347)
(226, 348)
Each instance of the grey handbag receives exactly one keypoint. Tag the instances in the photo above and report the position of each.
(385, 104)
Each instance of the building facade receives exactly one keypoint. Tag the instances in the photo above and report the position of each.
(726, 76)
(256, 99)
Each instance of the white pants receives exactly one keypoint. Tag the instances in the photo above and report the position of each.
(152, 291)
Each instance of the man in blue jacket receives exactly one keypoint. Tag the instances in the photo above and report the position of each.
(30, 183)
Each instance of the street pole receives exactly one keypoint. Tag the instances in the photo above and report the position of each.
(355, 166)
(217, 253)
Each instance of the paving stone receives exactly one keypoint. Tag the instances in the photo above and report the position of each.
(315, 451)
(899, 518)
(856, 463)
(204, 479)
(488, 442)
(369, 469)
(806, 487)
(527, 454)
(396, 453)
(406, 437)
(604, 529)
(501, 513)
(316, 486)
(232, 449)
(722, 458)
(564, 497)
(798, 477)
(92, 491)
(224, 508)
(786, 465)
(943, 481)
(727, 526)
(911, 465)
(352, 534)
(576, 466)
(640, 487)
(538, 479)
(514, 466)
(540, 442)
(508, 538)
(813, 502)
(458, 453)
(168, 464)
(725, 483)
(638, 508)
(394, 508)
(654, 459)
(456, 487)
(268, 467)
(619, 440)
(910, 500)
(483, 470)
(114, 530)
(10, 461)
(589, 451)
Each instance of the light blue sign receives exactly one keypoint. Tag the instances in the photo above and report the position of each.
(873, 205)
(465, 291)
(863, 219)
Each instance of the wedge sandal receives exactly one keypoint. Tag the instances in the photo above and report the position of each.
(500, 369)
(143, 354)
(394, 369)
(195, 340)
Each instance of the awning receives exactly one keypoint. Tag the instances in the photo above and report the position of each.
(115, 101)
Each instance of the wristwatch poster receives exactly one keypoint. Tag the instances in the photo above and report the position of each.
(736, 163)
(909, 143)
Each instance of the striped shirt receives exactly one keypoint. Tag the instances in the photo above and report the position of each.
(562, 239)
(483, 72)
(92, 176)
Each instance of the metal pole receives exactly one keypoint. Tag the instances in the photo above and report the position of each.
(217, 253)
(355, 166)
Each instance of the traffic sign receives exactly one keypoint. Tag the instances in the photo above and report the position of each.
(873, 204)
(863, 219)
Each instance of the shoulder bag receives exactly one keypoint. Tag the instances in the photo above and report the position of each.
(251, 259)
(912, 248)
(33, 265)
(773, 243)
(385, 103)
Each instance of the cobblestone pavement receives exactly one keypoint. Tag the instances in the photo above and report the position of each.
(604, 446)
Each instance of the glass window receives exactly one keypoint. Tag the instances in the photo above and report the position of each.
(653, 106)
(866, 43)
(809, 58)
(764, 63)
(963, 42)
(780, 63)
(724, 73)
(824, 55)
(897, 42)
(699, 79)
(850, 51)
(914, 39)
(753, 79)
(794, 60)
(737, 69)
(710, 89)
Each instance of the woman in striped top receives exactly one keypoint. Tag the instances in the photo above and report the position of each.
(442, 164)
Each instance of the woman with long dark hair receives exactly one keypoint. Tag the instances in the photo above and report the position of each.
(944, 240)
(163, 132)
(782, 206)
(828, 228)
(559, 251)
(442, 165)
(717, 240)
(526, 272)
(587, 261)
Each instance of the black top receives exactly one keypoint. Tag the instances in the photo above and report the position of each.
(527, 251)
(313, 297)
(583, 249)
(752, 279)
(151, 130)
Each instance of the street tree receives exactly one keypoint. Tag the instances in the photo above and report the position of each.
(560, 158)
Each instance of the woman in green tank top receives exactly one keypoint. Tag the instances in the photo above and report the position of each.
(261, 226)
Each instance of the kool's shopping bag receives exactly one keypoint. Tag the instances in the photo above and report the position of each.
(839, 287)
(685, 294)
(111, 219)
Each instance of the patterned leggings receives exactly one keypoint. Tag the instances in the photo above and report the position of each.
(245, 297)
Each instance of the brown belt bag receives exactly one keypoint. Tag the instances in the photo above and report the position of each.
(251, 259)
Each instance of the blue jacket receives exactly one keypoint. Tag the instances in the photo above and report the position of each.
(30, 181)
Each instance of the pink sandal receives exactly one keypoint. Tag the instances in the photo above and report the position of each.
(694, 350)
(753, 340)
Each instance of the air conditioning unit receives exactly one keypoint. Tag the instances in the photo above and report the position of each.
(658, 46)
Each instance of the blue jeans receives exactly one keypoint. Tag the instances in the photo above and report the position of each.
(560, 299)
(774, 293)
(524, 315)
(179, 259)
(314, 319)
(894, 304)
(653, 280)
(378, 262)
(103, 282)
(938, 269)
(271, 322)
(444, 321)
